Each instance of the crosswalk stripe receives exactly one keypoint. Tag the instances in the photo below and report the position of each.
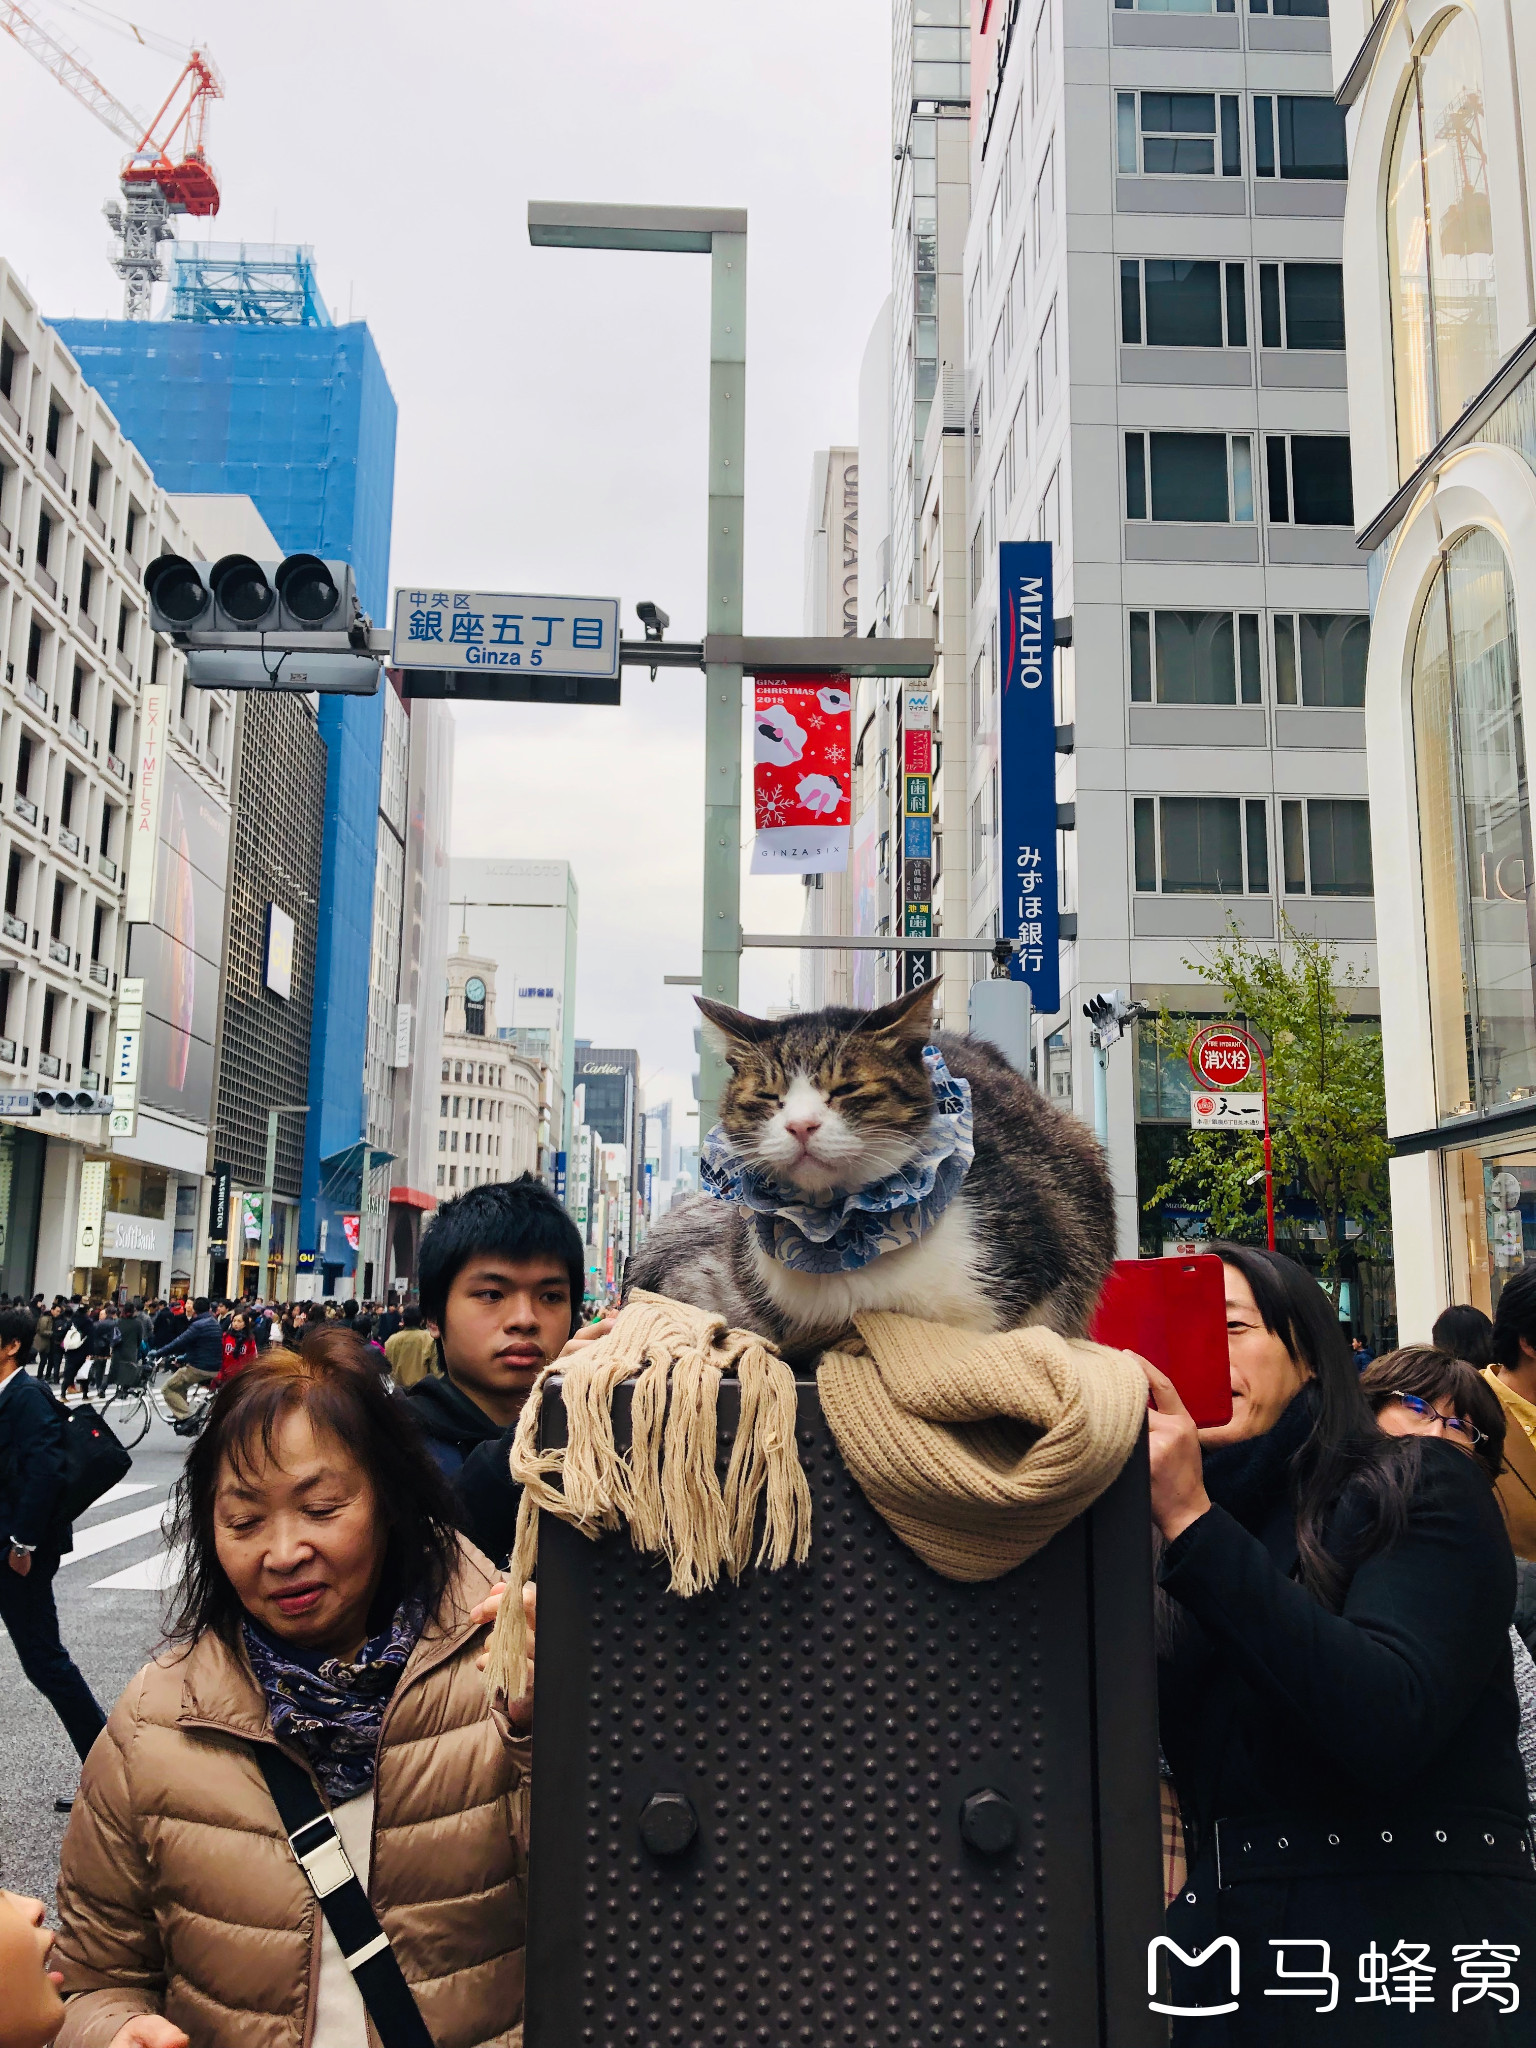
(121, 1529)
(150, 1575)
(124, 1490)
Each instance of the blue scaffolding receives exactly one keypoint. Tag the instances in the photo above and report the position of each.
(246, 284)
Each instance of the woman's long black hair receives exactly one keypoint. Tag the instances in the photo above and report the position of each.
(1346, 1448)
(344, 1399)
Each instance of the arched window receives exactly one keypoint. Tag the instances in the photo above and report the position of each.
(1440, 242)
(1475, 834)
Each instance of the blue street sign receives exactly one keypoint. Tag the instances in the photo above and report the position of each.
(1027, 769)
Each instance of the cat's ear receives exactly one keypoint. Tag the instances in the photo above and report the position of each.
(906, 1022)
(732, 1031)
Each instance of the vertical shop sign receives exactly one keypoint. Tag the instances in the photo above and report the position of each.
(1027, 770)
(93, 1203)
(802, 775)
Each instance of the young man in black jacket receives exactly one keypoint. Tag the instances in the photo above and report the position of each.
(35, 1535)
(201, 1348)
(500, 1276)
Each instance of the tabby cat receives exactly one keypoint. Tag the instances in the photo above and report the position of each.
(864, 1162)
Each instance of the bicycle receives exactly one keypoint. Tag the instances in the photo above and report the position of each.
(128, 1411)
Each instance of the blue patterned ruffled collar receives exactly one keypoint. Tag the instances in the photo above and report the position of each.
(836, 1232)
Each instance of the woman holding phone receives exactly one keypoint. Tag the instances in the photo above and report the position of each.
(1337, 1698)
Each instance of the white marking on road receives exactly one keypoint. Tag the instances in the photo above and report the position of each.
(153, 1575)
(124, 1490)
(121, 1529)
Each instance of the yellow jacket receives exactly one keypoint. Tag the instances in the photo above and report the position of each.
(1517, 1484)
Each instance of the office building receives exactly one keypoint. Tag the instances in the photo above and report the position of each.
(607, 1080)
(523, 915)
(831, 612)
(298, 414)
(1155, 384)
(421, 993)
(114, 843)
(266, 996)
(1441, 323)
(488, 1112)
(912, 519)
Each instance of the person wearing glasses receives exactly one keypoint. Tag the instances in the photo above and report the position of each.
(1423, 1391)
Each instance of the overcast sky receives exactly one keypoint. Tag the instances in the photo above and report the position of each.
(552, 404)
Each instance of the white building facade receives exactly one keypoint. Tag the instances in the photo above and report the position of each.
(488, 1113)
(114, 846)
(1155, 384)
(1442, 357)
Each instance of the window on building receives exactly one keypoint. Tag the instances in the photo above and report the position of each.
(87, 579)
(994, 241)
(975, 435)
(125, 618)
(50, 1013)
(108, 820)
(130, 529)
(998, 354)
(1040, 48)
(978, 558)
(1301, 305)
(1298, 135)
(1309, 480)
(1178, 134)
(1176, 302)
(7, 367)
(97, 921)
(1194, 658)
(24, 747)
(1327, 846)
(67, 790)
(1201, 845)
(34, 650)
(442, 1141)
(443, 1106)
(453, 1176)
(114, 723)
(978, 834)
(93, 485)
(941, 52)
(88, 1042)
(1194, 477)
(55, 427)
(76, 690)
(1439, 228)
(441, 1176)
(1046, 365)
(13, 884)
(1043, 218)
(1475, 839)
(1320, 658)
(56, 921)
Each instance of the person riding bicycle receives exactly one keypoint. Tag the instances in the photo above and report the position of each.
(201, 1344)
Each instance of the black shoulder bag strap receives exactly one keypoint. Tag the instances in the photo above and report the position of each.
(363, 1943)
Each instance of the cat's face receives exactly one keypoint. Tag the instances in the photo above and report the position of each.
(833, 1100)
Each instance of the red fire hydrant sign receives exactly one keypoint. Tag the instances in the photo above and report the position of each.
(1221, 1059)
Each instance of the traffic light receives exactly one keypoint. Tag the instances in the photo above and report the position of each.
(1109, 1013)
(72, 1101)
(249, 625)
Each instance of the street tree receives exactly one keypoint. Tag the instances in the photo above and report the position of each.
(1327, 1102)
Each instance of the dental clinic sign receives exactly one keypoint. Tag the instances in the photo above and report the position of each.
(1027, 769)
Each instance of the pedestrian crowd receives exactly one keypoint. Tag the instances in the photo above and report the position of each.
(1345, 1610)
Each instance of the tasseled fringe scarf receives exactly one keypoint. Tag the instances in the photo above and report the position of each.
(665, 1486)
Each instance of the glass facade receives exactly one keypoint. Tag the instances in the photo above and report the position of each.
(1439, 228)
(1490, 1210)
(1475, 834)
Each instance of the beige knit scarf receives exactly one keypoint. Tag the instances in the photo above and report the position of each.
(665, 1486)
(976, 1449)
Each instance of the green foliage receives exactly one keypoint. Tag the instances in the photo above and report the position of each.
(1327, 1102)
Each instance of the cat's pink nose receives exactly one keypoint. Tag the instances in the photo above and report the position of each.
(804, 1132)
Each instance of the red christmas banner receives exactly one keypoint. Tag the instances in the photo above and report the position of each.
(802, 775)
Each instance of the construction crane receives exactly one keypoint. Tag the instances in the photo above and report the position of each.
(155, 183)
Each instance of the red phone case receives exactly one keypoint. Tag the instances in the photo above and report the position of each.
(1173, 1313)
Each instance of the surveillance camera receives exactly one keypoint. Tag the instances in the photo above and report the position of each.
(653, 618)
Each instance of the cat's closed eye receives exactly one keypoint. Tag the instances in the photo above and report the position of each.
(845, 1088)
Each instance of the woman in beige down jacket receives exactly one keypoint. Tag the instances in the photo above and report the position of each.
(326, 1605)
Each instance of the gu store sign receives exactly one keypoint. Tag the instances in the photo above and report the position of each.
(1028, 877)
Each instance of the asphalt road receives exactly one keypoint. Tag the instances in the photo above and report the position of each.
(110, 1610)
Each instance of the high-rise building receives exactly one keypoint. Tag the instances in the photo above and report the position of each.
(523, 914)
(1155, 384)
(266, 997)
(421, 992)
(300, 416)
(831, 611)
(1441, 321)
(608, 1084)
(912, 527)
(114, 846)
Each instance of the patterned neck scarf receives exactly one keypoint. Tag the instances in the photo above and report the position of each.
(333, 1711)
(838, 1232)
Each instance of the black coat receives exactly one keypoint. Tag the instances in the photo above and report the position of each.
(450, 1421)
(201, 1344)
(472, 1451)
(1305, 1740)
(31, 1468)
